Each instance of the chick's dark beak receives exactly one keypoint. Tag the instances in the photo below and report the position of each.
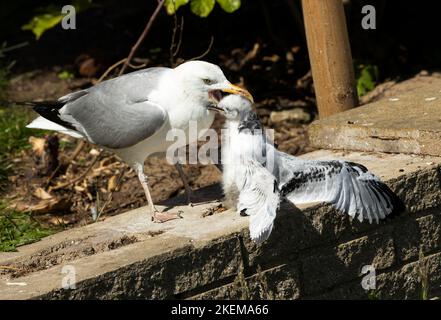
(215, 108)
(215, 96)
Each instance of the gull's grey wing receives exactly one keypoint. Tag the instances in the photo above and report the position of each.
(347, 186)
(258, 198)
(116, 113)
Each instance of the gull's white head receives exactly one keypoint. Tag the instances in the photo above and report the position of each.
(235, 107)
(206, 83)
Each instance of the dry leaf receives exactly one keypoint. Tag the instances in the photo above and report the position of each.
(40, 193)
(37, 145)
(52, 205)
(79, 189)
(111, 184)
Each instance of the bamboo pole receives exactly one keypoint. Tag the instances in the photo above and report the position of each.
(330, 56)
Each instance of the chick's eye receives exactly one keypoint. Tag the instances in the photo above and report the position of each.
(208, 81)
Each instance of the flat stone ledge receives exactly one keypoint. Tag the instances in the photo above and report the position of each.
(409, 122)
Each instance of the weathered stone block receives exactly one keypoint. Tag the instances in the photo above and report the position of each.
(413, 234)
(405, 283)
(335, 265)
(163, 276)
(420, 190)
(348, 291)
(281, 282)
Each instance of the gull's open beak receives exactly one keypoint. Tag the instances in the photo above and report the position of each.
(238, 90)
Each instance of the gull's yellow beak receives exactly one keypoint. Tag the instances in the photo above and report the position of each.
(240, 91)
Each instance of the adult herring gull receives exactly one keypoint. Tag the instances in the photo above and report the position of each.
(132, 114)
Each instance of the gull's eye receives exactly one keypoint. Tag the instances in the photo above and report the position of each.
(208, 81)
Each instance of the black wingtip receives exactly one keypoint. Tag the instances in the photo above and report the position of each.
(393, 201)
(398, 206)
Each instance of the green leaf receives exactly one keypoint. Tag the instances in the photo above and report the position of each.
(40, 23)
(173, 5)
(65, 75)
(229, 5)
(18, 228)
(50, 16)
(202, 8)
(367, 76)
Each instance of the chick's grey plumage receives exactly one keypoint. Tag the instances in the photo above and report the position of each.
(347, 186)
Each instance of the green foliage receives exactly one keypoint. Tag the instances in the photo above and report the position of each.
(423, 270)
(13, 132)
(65, 75)
(229, 5)
(373, 295)
(42, 22)
(202, 8)
(173, 5)
(13, 136)
(18, 228)
(50, 16)
(4, 72)
(367, 76)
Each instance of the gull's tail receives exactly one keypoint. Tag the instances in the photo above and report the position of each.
(49, 116)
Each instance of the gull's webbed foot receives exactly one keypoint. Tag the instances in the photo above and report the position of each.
(161, 217)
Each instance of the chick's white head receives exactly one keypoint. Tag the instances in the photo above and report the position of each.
(235, 107)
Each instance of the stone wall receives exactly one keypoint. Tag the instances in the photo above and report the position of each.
(314, 252)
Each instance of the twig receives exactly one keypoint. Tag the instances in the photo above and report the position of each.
(81, 177)
(78, 148)
(9, 268)
(113, 66)
(206, 51)
(175, 47)
(142, 36)
(110, 197)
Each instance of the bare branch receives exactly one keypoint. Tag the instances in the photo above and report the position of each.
(206, 51)
(142, 36)
(175, 47)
